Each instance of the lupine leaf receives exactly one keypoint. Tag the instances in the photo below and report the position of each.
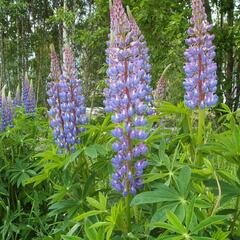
(189, 213)
(183, 180)
(90, 232)
(163, 193)
(166, 226)
(173, 219)
(91, 151)
(208, 221)
(87, 214)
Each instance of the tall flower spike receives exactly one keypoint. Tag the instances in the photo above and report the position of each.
(17, 99)
(6, 110)
(126, 97)
(0, 102)
(25, 89)
(30, 105)
(4, 121)
(67, 112)
(55, 66)
(160, 91)
(201, 81)
(28, 96)
(10, 110)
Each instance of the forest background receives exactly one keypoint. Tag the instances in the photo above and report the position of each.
(28, 27)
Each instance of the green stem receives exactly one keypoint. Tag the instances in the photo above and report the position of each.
(201, 132)
(237, 214)
(201, 126)
(128, 212)
(217, 204)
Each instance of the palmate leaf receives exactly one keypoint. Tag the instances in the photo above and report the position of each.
(101, 234)
(101, 204)
(227, 145)
(174, 224)
(166, 226)
(49, 162)
(168, 108)
(100, 224)
(180, 211)
(173, 219)
(91, 151)
(151, 177)
(94, 203)
(20, 173)
(72, 158)
(91, 233)
(220, 235)
(74, 228)
(88, 214)
(218, 219)
(189, 213)
(160, 214)
(183, 180)
(65, 206)
(163, 193)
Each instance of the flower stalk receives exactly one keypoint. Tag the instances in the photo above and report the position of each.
(200, 69)
(127, 97)
(67, 112)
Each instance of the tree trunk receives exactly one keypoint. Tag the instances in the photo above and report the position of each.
(230, 56)
(219, 57)
(208, 10)
(237, 98)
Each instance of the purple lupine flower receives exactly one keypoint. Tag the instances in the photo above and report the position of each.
(7, 110)
(4, 121)
(30, 105)
(161, 89)
(67, 112)
(127, 97)
(55, 66)
(0, 102)
(28, 96)
(10, 110)
(25, 89)
(17, 102)
(201, 79)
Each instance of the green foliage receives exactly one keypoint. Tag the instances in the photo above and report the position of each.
(187, 230)
(45, 195)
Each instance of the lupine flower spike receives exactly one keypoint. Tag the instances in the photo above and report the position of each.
(67, 112)
(0, 100)
(127, 97)
(55, 66)
(3, 110)
(6, 110)
(200, 83)
(17, 100)
(160, 91)
(28, 96)
(25, 89)
(10, 110)
(31, 102)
